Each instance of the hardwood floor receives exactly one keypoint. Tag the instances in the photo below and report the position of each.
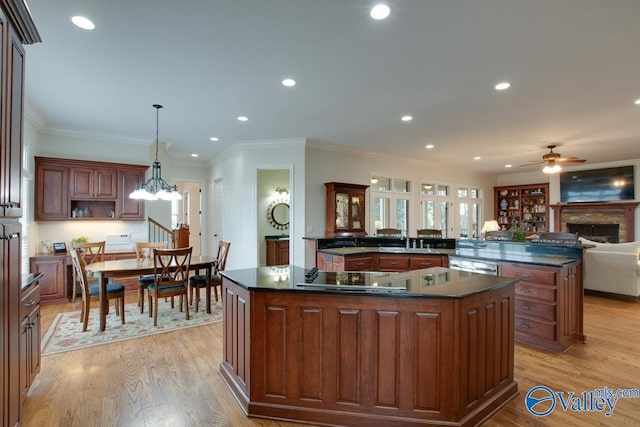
(172, 379)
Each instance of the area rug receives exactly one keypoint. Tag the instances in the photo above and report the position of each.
(65, 333)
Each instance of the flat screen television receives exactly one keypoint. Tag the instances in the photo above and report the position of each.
(597, 185)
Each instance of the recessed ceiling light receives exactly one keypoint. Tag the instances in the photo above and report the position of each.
(406, 118)
(288, 82)
(503, 86)
(508, 166)
(477, 158)
(380, 11)
(637, 101)
(194, 155)
(82, 22)
(243, 118)
(428, 146)
(214, 139)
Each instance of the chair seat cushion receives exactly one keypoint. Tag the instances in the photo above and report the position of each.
(201, 280)
(166, 289)
(112, 288)
(145, 280)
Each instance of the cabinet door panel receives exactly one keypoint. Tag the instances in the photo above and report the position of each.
(127, 208)
(53, 285)
(358, 263)
(394, 263)
(81, 183)
(52, 189)
(105, 183)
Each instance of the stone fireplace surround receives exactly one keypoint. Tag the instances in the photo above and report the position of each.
(622, 213)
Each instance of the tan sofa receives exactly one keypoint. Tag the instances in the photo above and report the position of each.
(613, 268)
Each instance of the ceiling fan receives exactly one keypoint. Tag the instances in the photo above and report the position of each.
(552, 159)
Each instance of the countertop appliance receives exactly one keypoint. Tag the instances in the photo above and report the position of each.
(118, 242)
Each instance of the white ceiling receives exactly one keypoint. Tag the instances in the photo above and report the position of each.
(574, 66)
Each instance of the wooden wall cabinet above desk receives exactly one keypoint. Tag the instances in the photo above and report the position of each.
(64, 188)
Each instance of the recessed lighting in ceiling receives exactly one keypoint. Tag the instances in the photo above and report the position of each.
(477, 158)
(406, 118)
(194, 155)
(637, 101)
(503, 86)
(508, 166)
(83, 22)
(429, 146)
(243, 118)
(380, 11)
(214, 139)
(288, 82)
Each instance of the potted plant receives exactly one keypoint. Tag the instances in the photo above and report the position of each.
(77, 240)
(519, 235)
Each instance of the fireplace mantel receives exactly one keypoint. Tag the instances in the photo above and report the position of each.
(626, 210)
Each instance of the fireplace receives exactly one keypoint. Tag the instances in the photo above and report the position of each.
(605, 233)
(603, 214)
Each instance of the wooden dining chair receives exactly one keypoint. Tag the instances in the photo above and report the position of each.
(388, 232)
(171, 279)
(430, 232)
(200, 281)
(91, 252)
(144, 251)
(92, 293)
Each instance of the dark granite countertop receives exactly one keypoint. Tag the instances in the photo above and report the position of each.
(434, 282)
(386, 250)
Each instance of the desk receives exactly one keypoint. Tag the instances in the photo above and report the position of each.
(130, 267)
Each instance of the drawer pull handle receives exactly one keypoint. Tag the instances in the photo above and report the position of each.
(524, 325)
(360, 264)
(394, 262)
(30, 303)
(525, 307)
(528, 291)
(526, 276)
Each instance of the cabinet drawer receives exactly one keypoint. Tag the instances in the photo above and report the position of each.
(426, 262)
(535, 328)
(528, 273)
(531, 290)
(394, 263)
(359, 264)
(29, 300)
(536, 309)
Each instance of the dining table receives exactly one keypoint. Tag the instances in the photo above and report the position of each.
(107, 270)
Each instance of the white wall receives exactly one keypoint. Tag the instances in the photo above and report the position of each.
(327, 163)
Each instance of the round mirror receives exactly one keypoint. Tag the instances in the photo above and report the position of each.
(278, 215)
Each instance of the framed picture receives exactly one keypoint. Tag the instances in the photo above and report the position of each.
(59, 247)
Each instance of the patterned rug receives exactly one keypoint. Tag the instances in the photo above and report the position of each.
(65, 333)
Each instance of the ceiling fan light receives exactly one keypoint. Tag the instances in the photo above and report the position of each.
(551, 169)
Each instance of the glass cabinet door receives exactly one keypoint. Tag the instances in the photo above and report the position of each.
(357, 213)
(342, 210)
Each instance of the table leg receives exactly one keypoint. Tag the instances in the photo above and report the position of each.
(208, 288)
(104, 301)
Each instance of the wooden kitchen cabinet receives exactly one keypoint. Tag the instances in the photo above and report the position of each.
(29, 338)
(277, 251)
(65, 188)
(547, 305)
(393, 263)
(427, 261)
(53, 285)
(89, 183)
(346, 209)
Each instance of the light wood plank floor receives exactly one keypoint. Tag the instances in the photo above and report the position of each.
(172, 379)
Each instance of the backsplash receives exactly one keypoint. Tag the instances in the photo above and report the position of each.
(64, 231)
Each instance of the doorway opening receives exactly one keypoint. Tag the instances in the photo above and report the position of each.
(274, 216)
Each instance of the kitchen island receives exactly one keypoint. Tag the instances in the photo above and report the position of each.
(425, 347)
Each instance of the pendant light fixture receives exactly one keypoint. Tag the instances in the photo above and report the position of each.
(156, 188)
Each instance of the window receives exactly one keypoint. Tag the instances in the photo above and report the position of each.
(435, 200)
(391, 203)
(469, 212)
(24, 220)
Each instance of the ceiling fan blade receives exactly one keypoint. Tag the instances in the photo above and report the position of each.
(570, 160)
(533, 163)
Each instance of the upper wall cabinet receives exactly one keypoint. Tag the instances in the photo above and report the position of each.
(82, 190)
(345, 209)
